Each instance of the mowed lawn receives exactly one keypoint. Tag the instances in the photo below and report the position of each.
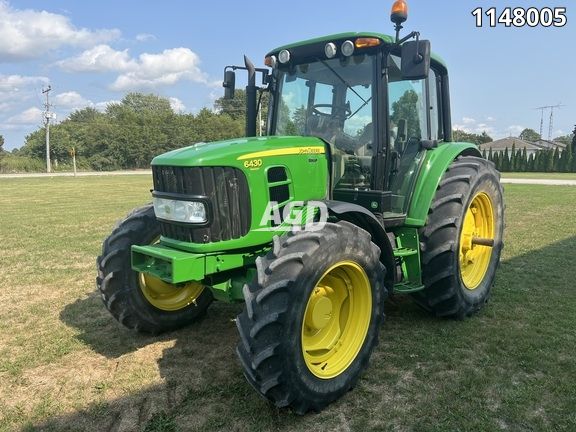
(539, 175)
(66, 365)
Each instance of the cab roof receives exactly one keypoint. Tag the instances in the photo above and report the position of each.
(386, 39)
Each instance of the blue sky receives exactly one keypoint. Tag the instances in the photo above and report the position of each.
(92, 53)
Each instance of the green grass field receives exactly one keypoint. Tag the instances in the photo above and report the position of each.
(551, 176)
(66, 365)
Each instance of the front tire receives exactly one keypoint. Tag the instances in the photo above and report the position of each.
(140, 301)
(312, 316)
(457, 271)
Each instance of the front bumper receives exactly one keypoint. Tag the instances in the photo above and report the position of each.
(170, 265)
(176, 266)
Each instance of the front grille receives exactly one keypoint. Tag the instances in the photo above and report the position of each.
(227, 191)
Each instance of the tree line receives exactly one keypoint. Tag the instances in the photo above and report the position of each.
(549, 160)
(517, 160)
(129, 134)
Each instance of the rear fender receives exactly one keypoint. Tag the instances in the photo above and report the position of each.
(435, 165)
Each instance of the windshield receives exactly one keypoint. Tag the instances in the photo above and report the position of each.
(332, 99)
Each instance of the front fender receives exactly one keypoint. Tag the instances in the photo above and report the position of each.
(435, 165)
(366, 220)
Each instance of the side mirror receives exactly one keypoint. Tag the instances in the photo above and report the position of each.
(415, 59)
(229, 84)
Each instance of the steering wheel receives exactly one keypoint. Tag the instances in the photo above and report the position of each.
(346, 110)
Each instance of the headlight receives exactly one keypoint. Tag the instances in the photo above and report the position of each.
(180, 211)
(347, 48)
(284, 56)
(330, 49)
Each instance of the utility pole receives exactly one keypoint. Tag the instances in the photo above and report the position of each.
(73, 154)
(47, 116)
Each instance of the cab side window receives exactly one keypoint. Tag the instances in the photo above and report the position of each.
(435, 104)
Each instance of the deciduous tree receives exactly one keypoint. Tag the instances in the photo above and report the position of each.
(406, 107)
(529, 135)
(478, 139)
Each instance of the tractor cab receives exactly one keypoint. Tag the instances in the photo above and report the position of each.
(350, 91)
(377, 102)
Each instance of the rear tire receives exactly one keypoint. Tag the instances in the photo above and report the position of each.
(140, 302)
(312, 316)
(458, 275)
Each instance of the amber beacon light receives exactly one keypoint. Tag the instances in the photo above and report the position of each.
(399, 12)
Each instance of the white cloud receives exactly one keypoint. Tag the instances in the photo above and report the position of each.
(215, 84)
(147, 71)
(64, 104)
(177, 105)
(515, 129)
(471, 125)
(71, 100)
(31, 116)
(145, 37)
(488, 125)
(167, 68)
(17, 92)
(18, 88)
(27, 33)
(101, 58)
(15, 81)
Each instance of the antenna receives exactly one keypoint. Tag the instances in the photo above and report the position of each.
(541, 118)
(551, 121)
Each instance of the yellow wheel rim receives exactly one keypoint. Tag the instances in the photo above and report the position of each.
(336, 319)
(166, 296)
(478, 226)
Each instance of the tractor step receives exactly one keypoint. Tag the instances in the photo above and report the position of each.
(405, 252)
(407, 288)
(408, 259)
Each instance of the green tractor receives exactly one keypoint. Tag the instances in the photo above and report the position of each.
(355, 192)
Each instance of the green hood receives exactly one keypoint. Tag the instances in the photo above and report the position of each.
(228, 152)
